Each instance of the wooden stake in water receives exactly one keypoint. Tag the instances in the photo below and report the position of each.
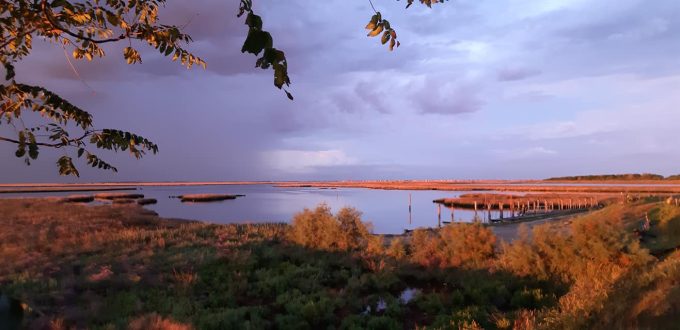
(439, 215)
(409, 208)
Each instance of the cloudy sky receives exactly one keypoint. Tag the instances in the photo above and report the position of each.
(478, 89)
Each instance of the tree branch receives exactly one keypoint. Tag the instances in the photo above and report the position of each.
(51, 145)
(56, 25)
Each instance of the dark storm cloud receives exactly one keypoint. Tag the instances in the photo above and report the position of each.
(515, 74)
(444, 98)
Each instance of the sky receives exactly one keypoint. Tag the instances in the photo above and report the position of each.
(497, 89)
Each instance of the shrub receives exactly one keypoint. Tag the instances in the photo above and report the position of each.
(591, 257)
(467, 245)
(315, 228)
(425, 248)
(397, 248)
(352, 231)
(459, 245)
(319, 229)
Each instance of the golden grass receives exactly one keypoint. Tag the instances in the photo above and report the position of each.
(114, 196)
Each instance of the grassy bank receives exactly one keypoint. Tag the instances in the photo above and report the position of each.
(120, 267)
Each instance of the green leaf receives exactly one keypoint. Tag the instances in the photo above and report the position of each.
(9, 75)
(65, 164)
(253, 21)
(256, 41)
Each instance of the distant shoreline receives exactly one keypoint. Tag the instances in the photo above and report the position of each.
(133, 184)
(606, 186)
(552, 181)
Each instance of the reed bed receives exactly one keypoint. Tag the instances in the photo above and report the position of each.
(113, 196)
(197, 198)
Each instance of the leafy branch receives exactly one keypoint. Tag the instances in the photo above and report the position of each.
(260, 41)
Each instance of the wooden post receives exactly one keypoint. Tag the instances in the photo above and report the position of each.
(409, 202)
(409, 208)
(500, 206)
(439, 215)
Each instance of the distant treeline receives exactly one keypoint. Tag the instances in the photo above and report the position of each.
(613, 177)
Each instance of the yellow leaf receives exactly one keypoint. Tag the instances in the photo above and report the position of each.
(376, 31)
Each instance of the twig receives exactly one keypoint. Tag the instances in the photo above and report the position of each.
(371, 2)
(76, 71)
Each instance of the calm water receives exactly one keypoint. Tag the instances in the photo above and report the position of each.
(388, 210)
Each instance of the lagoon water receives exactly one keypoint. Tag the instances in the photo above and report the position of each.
(388, 210)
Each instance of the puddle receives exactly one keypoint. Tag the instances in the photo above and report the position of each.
(408, 295)
(380, 307)
(404, 298)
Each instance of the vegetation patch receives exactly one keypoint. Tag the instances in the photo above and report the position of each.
(115, 266)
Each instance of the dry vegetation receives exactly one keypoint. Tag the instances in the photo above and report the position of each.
(117, 267)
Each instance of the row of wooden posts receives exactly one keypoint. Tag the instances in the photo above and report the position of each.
(521, 208)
